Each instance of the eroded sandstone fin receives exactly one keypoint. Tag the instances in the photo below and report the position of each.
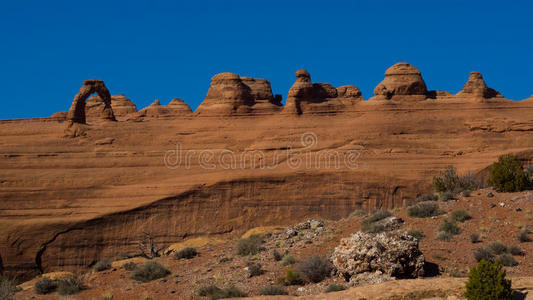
(476, 87)
(76, 113)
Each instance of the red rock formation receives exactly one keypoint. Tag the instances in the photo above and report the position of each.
(476, 87)
(231, 94)
(402, 79)
(179, 107)
(305, 96)
(120, 103)
(77, 110)
(349, 91)
(175, 109)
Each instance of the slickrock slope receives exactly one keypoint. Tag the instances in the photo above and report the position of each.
(67, 202)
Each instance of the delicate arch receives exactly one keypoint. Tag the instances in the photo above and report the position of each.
(77, 110)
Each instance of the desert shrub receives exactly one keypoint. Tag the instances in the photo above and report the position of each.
(7, 288)
(69, 286)
(130, 266)
(255, 269)
(376, 216)
(524, 237)
(277, 256)
(358, 213)
(446, 196)
(427, 197)
(186, 253)
(250, 245)
(460, 215)
(291, 278)
(444, 236)
(497, 248)
(467, 193)
(449, 181)
(271, 290)
(483, 254)
(44, 286)
(288, 260)
(316, 268)
(487, 281)
(417, 234)
(150, 270)
(372, 228)
(102, 265)
(474, 238)
(508, 260)
(335, 288)
(424, 210)
(107, 296)
(213, 292)
(450, 227)
(507, 174)
(515, 250)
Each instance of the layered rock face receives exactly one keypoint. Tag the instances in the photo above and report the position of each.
(402, 80)
(120, 103)
(178, 106)
(476, 87)
(77, 110)
(231, 94)
(307, 97)
(365, 258)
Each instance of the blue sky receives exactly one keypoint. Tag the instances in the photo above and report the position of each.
(160, 49)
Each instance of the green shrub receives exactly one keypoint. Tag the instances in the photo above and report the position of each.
(427, 197)
(130, 266)
(358, 213)
(424, 210)
(291, 278)
(497, 248)
(213, 292)
(515, 250)
(444, 236)
(446, 196)
(69, 286)
(417, 234)
(372, 228)
(255, 269)
(507, 174)
(271, 290)
(186, 253)
(277, 256)
(44, 286)
(467, 193)
(7, 288)
(150, 270)
(524, 237)
(483, 254)
(102, 265)
(250, 245)
(288, 260)
(335, 288)
(376, 216)
(316, 268)
(508, 260)
(449, 227)
(459, 216)
(474, 238)
(487, 281)
(449, 181)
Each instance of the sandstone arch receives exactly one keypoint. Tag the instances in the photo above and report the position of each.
(77, 110)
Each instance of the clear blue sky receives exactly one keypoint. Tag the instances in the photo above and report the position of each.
(160, 49)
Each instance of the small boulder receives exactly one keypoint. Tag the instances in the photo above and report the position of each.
(366, 258)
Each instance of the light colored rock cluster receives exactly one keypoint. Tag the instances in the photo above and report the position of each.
(365, 258)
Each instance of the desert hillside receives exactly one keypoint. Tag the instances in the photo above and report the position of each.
(92, 182)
